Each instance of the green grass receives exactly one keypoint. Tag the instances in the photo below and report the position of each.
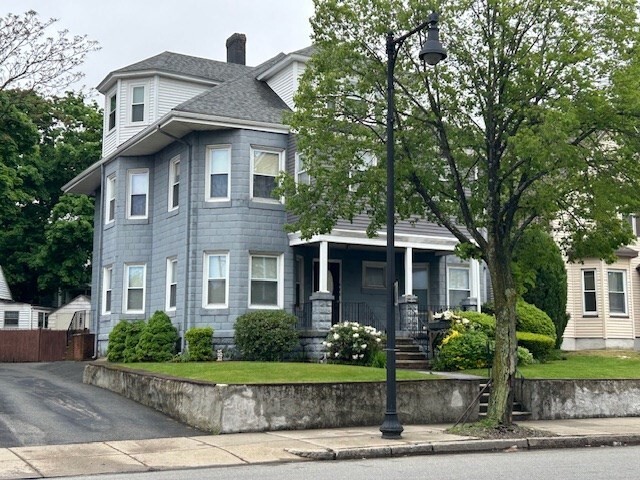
(273, 372)
(591, 364)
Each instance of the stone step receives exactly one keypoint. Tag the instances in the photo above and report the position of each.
(413, 364)
(410, 356)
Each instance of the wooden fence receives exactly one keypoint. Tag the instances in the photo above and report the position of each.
(33, 345)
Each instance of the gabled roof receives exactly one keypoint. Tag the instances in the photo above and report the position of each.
(212, 71)
(5, 293)
(244, 98)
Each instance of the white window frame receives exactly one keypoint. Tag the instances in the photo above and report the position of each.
(281, 156)
(130, 175)
(145, 104)
(110, 199)
(43, 320)
(624, 293)
(206, 278)
(279, 280)
(585, 291)
(17, 324)
(301, 175)
(209, 173)
(173, 199)
(172, 281)
(107, 288)
(470, 289)
(377, 265)
(112, 110)
(127, 287)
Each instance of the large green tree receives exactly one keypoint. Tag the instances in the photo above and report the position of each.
(533, 117)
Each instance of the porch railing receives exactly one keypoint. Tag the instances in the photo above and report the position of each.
(364, 313)
(303, 314)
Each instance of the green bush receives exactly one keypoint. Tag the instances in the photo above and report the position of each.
(463, 351)
(130, 353)
(158, 339)
(352, 343)
(199, 344)
(525, 357)
(484, 322)
(266, 335)
(539, 345)
(117, 338)
(379, 359)
(533, 320)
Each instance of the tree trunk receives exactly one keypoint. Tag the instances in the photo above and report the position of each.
(505, 359)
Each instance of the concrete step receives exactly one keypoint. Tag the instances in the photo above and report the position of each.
(409, 356)
(413, 364)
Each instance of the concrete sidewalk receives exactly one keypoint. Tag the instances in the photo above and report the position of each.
(295, 446)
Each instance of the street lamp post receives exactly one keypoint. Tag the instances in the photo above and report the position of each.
(432, 52)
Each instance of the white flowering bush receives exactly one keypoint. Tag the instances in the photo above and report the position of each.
(350, 342)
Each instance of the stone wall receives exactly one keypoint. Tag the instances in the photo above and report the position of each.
(252, 408)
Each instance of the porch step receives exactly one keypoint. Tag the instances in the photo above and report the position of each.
(409, 356)
(518, 411)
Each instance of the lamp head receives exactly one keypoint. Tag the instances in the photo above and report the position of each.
(432, 50)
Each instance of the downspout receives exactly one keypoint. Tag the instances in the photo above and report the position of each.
(96, 314)
(187, 263)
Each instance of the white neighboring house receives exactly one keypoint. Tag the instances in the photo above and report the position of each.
(77, 311)
(18, 315)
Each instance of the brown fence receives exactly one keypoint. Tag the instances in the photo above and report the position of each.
(32, 345)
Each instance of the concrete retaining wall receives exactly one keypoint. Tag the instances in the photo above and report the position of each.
(253, 408)
(557, 399)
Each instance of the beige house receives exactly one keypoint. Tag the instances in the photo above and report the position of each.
(603, 301)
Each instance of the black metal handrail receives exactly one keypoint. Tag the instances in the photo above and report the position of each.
(303, 313)
(362, 313)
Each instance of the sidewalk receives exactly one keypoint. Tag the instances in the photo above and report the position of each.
(294, 446)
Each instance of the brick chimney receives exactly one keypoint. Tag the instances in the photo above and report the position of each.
(236, 51)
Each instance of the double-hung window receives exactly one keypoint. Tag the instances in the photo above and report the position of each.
(172, 283)
(11, 318)
(218, 178)
(174, 183)
(266, 165)
(138, 198)
(135, 280)
(617, 292)
(589, 305)
(265, 289)
(459, 285)
(112, 109)
(110, 200)
(43, 320)
(302, 177)
(137, 103)
(216, 280)
(107, 288)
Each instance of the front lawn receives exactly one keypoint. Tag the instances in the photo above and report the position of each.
(273, 372)
(588, 364)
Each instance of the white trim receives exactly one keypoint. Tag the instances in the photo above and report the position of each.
(281, 157)
(280, 281)
(108, 97)
(125, 303)
(298, 170)
(205, 283)
(624, 292)
(130, 174)
(110, 195)
(207, 177)
(172, 268)
(112, 77)
(586, 312)
(172, 183)
(369, 264)
(457, 267)
(103, 307)
(145, 106)
(281, 65)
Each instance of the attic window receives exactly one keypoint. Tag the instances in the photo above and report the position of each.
(137, 104)
(112, 111)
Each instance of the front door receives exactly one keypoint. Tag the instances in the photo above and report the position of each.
(333, 285)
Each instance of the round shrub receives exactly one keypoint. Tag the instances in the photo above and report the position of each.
(117, 338)
(350, 342)
(199, 344)
(462, 351)
(533, 320)
(483, 321)
(130, 353)
(266, 335)
(539, 345)
(158, 339)
(525, 357)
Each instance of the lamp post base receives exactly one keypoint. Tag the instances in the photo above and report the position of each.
(391, 428)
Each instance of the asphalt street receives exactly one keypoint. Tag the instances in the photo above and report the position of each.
(47, 404)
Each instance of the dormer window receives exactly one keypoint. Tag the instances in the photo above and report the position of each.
(137, 104)
(112, 111)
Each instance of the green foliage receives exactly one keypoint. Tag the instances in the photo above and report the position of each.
(130, 353)
(266, 335)
(117, 338)
(543, 276)
(539, 345)
(485, 322)
(199, 344)
(464, 351)
(158, 339)
(531, 319)
(379, 359)
(525, 357)
(352, 343)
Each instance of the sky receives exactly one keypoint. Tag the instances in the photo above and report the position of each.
(131, 30)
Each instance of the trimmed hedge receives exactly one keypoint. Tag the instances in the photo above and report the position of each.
(117, 338)
(486, 323)
(463, 351)
(158, 339)
(199, 344)
(530, 318)
(266, 335)
(539, 345)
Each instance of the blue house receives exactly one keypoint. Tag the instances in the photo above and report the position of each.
(186, 222)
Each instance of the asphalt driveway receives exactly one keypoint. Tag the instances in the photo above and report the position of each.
(47, 404)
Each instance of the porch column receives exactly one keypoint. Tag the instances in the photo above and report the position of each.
(408, 271)
(408, 304)
(323, 267)
(474, 266)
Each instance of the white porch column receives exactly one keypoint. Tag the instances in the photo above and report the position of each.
(324, 266)
(408, 271)
(475, 282)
